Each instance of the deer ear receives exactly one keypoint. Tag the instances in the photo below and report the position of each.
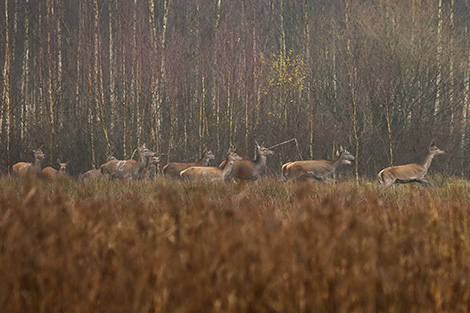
(337, 153)
(341, 149)
(257, 144)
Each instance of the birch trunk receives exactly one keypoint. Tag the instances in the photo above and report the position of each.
(437, 103)
(6, 97)
(352, 73)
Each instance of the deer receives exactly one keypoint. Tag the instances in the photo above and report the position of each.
(52, 173)
(173, 170)
(410, 172)
(128, 169)
(151, 171)
(251, 170)
(23, 169)
(211, 173)
(321, 170)
(95, 173)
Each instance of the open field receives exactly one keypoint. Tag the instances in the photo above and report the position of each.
(139, 246)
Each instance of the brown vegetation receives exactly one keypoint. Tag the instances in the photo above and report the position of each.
(135, 246)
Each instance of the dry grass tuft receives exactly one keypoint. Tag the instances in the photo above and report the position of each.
(119, 246)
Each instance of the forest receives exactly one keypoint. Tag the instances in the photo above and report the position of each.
(92, 78)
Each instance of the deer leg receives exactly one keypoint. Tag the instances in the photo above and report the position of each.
(388, 182)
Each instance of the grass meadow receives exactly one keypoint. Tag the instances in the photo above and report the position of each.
(168, 246)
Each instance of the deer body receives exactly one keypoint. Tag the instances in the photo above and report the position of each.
(173, 170)
(91, 174)
(23, 169)
(410, 172)
(316, 169)
(95, 173)
(211, 173)
(251, 170)
(128, 169)
(52, 173)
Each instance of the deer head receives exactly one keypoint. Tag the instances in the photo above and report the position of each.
(263, 150)
(62, 166)
(345, 155)
(154, 160)
(233, 156)
(209, 154)
(434, 150)
(39, 155)
(144, 152)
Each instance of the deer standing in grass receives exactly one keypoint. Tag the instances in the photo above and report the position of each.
(211, 173)
(95, 173)
(128, 169)
(251, 170)
(173, 170)
(52, 173)
(410, 172)
(151, 171)
(23, 169)
(317, 169)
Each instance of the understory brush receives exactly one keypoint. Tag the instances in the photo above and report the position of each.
(170, 246)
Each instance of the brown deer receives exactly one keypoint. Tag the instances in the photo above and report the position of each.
(211, 173)
(128, 169)
(23, 169)
(95, 173)
(317, 169)
(151, 171)
(52, 173)
(410, 172)
(173, 170)
(251, 170)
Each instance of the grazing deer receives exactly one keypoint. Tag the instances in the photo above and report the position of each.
(211, 173)
(52, 173)
(128, 169)
(151, 171)
(95, 173)
(23, 169)
(173, 170)
(251, 170)
(317, 169)
(410, 172)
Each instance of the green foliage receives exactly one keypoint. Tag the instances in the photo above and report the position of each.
(285, 71)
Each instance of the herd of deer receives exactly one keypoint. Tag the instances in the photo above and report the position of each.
(233, 167)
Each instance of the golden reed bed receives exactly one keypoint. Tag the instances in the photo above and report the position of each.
(139, 246)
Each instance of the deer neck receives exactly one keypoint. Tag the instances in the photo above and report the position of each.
(37, 163)
(427, 161)
(260, 163)
(227, 169)
(337, 162)
(204, 161)
(142, 164)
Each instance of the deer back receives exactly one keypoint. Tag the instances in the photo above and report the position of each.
(317, 168)
(91, 174)
(49, 172)
(120, 168)
(173, 170)
(408, 172)
(202, 173)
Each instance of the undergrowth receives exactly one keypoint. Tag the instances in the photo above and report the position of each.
(168, 246)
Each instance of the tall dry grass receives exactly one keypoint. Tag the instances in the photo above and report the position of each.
(118, 246)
